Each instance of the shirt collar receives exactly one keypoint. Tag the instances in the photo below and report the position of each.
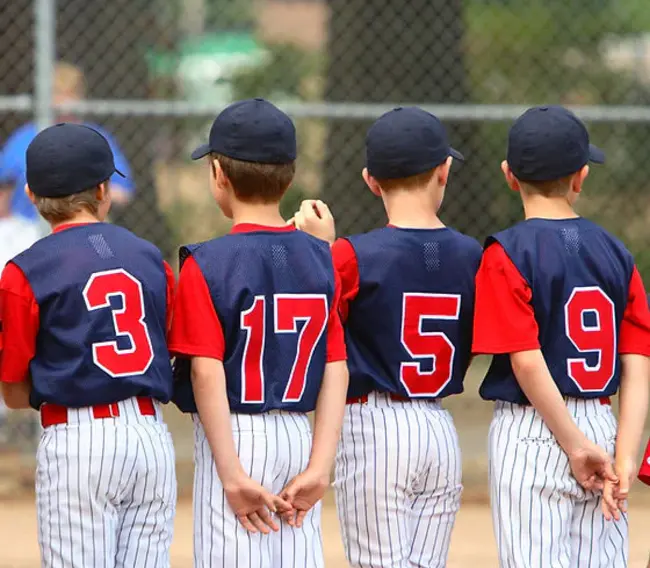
(255, 228)
(66, 226)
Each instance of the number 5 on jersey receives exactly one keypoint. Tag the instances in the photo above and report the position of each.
(432, 346)
(288, 310)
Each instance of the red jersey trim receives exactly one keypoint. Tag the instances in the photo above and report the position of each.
(66, 226)
(240, 228)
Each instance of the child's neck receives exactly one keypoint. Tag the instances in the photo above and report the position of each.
(412, 209)
(267, 214)
(81, 218)
(540, 207)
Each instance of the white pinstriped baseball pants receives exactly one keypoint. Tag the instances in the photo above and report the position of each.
(542, 517)
(273, 448)
(398, 483)
(106, 491)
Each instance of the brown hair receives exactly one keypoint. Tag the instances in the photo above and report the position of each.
(551, 188)
(60, 209)
(411, 182)
(255, 182)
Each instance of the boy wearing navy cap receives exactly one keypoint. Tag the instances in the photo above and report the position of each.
(407, 303)
(259, 343)
(84, 315)
(561, 306)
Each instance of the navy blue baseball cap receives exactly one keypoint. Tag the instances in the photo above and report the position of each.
(405, 142)
(252, 130)
(549, 142)
(68, 158)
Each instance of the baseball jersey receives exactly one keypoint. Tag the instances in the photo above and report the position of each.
(84, 314)
(407, 299)
(264, 301)
(569, 288)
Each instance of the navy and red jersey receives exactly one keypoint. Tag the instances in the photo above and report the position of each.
(264, 301)
(569, 288)
(407, 301)
(85, 313)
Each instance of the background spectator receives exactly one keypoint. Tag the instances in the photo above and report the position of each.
(69, 86)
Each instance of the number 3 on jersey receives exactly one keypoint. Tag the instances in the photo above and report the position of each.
(596, 336)
(433, 346)
(128, 321)
(289, 309)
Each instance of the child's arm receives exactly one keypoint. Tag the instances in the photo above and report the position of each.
(633, 409)
(19, 323)
(591, 465)
(307, 488)
(249, 501)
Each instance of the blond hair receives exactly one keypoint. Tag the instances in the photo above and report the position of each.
(68, 80)
(61, 209)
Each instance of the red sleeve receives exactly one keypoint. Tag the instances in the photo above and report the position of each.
(19, 323)
(634, 337)
(171, 284)
(644, 472)
(345, 263)
(335, 339)
(196, 329)
(504, 320)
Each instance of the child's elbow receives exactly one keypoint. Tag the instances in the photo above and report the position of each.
(525, 363)
(15, 396)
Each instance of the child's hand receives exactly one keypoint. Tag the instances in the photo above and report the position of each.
(315, 218)
(591, 465)
(609, 503)
(302, 493)
(253, 504)
(626, 472)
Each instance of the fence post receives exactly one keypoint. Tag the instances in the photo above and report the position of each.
(44, 40)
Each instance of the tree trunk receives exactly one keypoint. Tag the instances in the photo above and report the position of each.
(411, 53)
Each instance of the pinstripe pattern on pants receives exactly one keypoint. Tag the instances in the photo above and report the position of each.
(273, 448)
(542, 517)
(106, 491)
(398, 483)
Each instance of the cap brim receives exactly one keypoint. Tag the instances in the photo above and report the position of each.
(456, 155)
(596, 155)
(119, 173)
(201, 152)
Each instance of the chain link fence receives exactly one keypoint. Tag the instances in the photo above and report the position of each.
(153, 73)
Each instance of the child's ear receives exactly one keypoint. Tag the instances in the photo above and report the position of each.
(218, 174)
(102, 191)
(443, 171)
(371, 182)
(30, 194)
(511, 180)
(579, 178)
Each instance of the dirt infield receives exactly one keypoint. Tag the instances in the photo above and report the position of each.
(472, 543)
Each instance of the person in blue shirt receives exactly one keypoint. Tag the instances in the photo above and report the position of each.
(68, 87)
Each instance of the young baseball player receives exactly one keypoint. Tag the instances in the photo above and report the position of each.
(561, 306)
(407, 299)
(257, 316)
(84, 314)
